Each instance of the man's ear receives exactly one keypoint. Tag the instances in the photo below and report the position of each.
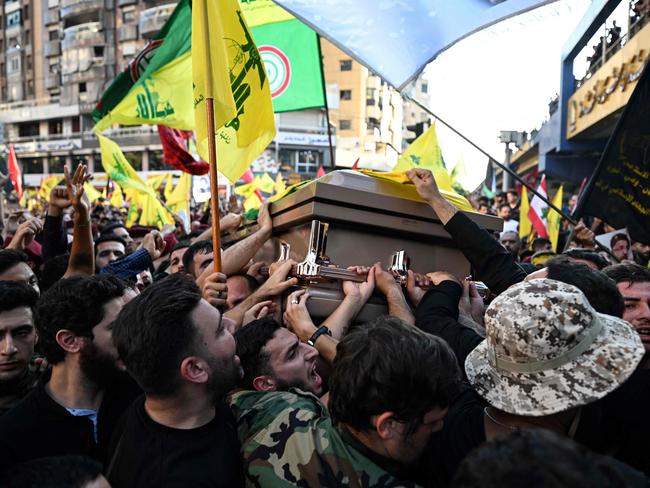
(264, 383)
(194, 370)
(385, 425)
(69, 341)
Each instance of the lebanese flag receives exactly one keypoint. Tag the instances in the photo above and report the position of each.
(320, 172)
(14, 172)
(538, 210)
(355, 166)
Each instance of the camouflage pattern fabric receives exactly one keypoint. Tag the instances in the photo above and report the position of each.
(288, 440)
(547, 350)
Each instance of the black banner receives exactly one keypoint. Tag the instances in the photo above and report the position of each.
(619, 190)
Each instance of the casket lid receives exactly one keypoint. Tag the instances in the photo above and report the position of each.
(351, 189)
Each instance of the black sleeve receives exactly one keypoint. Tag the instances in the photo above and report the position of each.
(437, 314)
(55, 240)
(491, 262)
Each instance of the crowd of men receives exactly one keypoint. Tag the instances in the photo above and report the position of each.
(125, 360)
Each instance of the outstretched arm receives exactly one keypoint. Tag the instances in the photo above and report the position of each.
(82, 255)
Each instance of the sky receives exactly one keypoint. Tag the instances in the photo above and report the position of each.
(501, 78)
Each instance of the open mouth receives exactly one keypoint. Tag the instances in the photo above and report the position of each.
(315, 377)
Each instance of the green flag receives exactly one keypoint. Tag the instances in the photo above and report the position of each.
(151, 90)
(292, 61)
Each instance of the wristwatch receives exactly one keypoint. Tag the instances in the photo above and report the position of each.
(319, 332)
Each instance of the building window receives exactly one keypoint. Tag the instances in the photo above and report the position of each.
(346, 65)
(346, 94)
(308, 161)
(14, 66)
(30, 88)
(129, 15)
(98, 51)
(56, 164)
(53, 35)
(135, 158)
(156, 161)
(55, 126)
(345, 124)
(425, 88)
(32, 165)
(28, 129)
(82, 87)
(26, 12)
(13, 19)
(76, 124)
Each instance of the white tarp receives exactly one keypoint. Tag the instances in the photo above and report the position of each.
(397, 38)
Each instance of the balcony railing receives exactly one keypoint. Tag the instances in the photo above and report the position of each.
(153, 19)
(70, 8)
(613, 48)
(52, 48)
(88, 34)
(127, 33)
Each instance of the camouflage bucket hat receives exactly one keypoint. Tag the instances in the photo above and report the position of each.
(547, 350)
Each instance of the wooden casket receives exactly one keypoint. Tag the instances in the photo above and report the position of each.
(347, 218)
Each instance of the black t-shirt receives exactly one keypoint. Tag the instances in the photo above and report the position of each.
(147, 454)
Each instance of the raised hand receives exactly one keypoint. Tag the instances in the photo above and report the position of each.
(75, 188)
(25, 233)
(424, 182)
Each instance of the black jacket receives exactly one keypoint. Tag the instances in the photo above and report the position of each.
(39, 427)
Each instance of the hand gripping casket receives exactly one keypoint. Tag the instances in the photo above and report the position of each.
(346, 218)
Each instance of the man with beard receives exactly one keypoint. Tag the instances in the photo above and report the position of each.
(73, 409)
(179, 350)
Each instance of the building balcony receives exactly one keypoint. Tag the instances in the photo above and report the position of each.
(95, 72)
(52, 81)
(122, 3)
(52, 16)
(71, 8)
(52, 48)
(83, 35)
(127, 33)
(595, 106)
(153, 19)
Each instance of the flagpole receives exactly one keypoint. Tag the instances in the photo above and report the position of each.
(327, 110)
(493, 160)
(212, 146)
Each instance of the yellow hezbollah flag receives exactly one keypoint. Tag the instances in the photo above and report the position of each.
(47, 185)
(554, 219)
(425, 153)
(246, 190)
(251, 202)
(179, 198)
(162, 98)
(169, 186)
(525, 227)
(227, 67)
(400, 177)
(265, 183)
(121, 172)
(156, 181)
(117, 199)
(280, 185)
(91, 192)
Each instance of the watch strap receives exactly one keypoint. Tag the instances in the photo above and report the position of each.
(319, 332)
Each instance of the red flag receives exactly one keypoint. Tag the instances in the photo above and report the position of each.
(538, 210)
(248, 177)
(175, 152)
(355, 166)
(320, 172)
(14, 172)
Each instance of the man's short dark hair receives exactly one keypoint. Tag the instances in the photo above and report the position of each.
(600, 290)
(587, 255)
(199, 247)
(628, 272)
(251, 341)
(109, 238)
(251, 281)
(504, 205)
(10, 258)
(54, 472)
(390, 366)
(619, 237)
(509, 460)
(75, 304)
(14, 294)
(181, 245)
(53, 270)
(155, 331)
(111, 226)
(540, 243)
